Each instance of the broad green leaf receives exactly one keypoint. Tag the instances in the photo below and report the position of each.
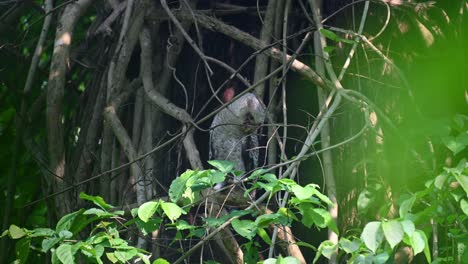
(321, 196)
(440, 180)
(160, 261)
(464, 206)
(266, 219)
(328, 249)
(183, 225)
(149, 226)
(393, 232)
(310, 217)
(349, 246)
(97, 200)
(64, 253)
(144, 258)
(65, 234)
(98, 212)
(178, 185)
(372, 235)
(287, 260)
(406, 206)
(16, 232)
(245, 228)
(147, 210)
(329, 49)
(125, 255)
(42, 232)
(172, 210)
(418, 242)
(22, 249)
(302, 192)
(365, 201)
(269, 261)
(408, 227)
(217, 177)
(49, 243)
(461, 178)
(287, 213)
(381, 258)
(66, 221)
(222, 165)
(329, 34)
(111, 257)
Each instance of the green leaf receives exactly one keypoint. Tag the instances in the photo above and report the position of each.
(349, 246)
(456, 144)
(406, 206)
(287, 260)
(160, 261)
(65, 234)
(418, 242)
(263, 235)
(441, 180)
(42, 232)
(66, 221)
(49, 243)
(16, 232)
(266, 219)
(464, 206)
(172, 210)
(22, 249)
(178, 185)
(302, 193)
(326, 248)
(329, 34)
(64, 254)
(304, 244)
(365, 200)
(461, 178)
(393, 232)
(329, 49)
(144, 258)
(183, 225)
(372, 235)
(125, 255)
(381, 258)
(111, 257)
(147, 210)
(149, 226)
(222, 165)
(321, 196)
(98, 212)
(97, 200)
(408, 227)
(217, 177)
(245, 228)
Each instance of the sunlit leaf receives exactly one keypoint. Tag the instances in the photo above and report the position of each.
(147, 210)
(16, 232)
(349, 246)
(222, 165)
(393, 232)
(172, 210)
(64, 253)
(97, 200)
(245, 228)
(372, 235)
